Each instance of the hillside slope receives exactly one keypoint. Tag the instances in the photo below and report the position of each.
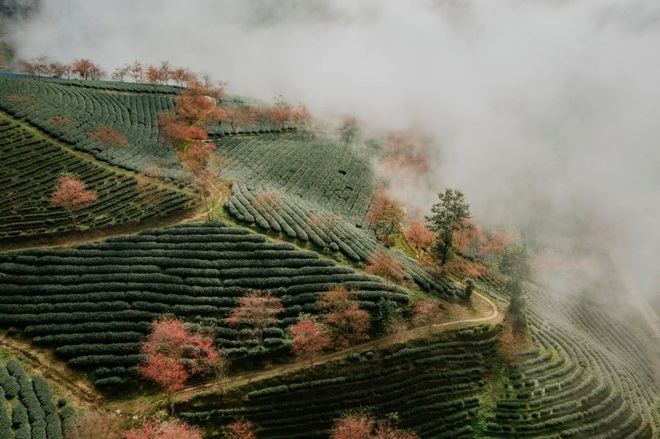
(81, 107)
(316, 190)
(31, 165)
(94, 303)
(434, 386)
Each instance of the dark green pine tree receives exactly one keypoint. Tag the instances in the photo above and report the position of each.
(514, 262)
(448, 216)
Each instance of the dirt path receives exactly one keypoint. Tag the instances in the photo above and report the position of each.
(494, 316)
(64, 381)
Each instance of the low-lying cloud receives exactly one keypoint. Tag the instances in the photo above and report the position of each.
(544, 112)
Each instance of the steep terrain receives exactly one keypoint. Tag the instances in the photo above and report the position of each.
(31, 165)
(95, 302)
(589, 374)
(27, 408)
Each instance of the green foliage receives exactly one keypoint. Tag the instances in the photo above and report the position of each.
(448, 216)
(131, 114)
(5, 420)
(331, 215)
(94, 303)
(34, 413)
(31, 167)
(430, 387)
(514, 262)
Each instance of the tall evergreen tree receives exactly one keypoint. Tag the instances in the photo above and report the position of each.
(448, 216)
(514, 262)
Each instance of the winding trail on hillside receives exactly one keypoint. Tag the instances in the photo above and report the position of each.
(494, 317)
(76, 389)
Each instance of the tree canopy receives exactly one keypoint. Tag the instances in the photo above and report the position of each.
(514, 262)
(448, 216)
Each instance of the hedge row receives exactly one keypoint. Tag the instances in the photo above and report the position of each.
(34, 414)
(317, 191)
(428, 391)
(90, 306)
(571, 383)
(31, 167)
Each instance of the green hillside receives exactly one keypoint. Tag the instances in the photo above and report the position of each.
(27, 407)
(295, 226)
(94, 303)
(587, 375)
(435, 386)
(316, 190)
(31, 164)
(131, 111)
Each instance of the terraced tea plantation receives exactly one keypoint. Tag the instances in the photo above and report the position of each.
(589, 375)
(434, 387)
(71, 110)
(30, 167)
(82, 108)
(315, 190)
(94, 303)
(27, 408)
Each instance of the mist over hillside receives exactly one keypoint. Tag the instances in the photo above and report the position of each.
(545, 113)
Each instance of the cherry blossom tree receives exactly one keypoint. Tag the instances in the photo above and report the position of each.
(425, 312)
(154, 76)
(301, 117)
(182, 76)
(165, 71)
(470, 240)
(385, 216)
(498, 240)
(407, 152)
(239, 429)
(120, 73)
(86, 69)
(136, 71)
(261, 116)
(28, 67)
(59, 70)
(197, 108)
(152, 429)
(420, 238)
(364, 426)
(309, 338)
(179, 133)
(173, 353)
(386, 266)
(110, 139)
(72, 196)
(353, 426)
(280, 113)
(347, 322)
(258, 310)
(205, 169)
(239, 116)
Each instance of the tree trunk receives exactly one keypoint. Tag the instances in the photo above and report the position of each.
(73, 218)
